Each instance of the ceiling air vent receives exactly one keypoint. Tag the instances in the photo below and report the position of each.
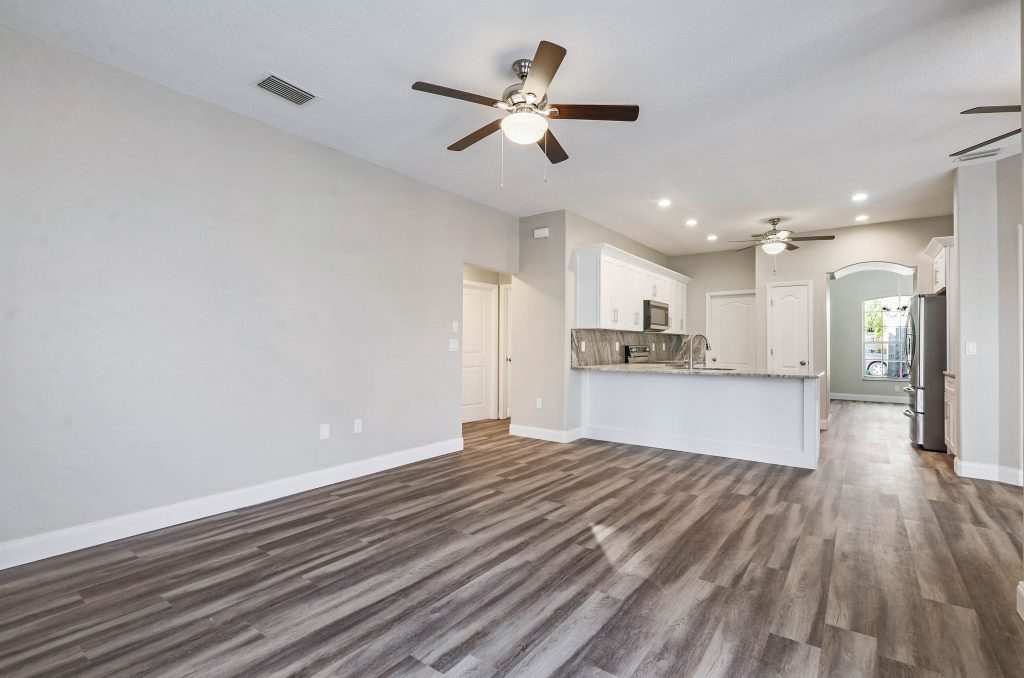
(285, 90)
(979, 155)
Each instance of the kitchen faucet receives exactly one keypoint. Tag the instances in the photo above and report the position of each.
(707, 347)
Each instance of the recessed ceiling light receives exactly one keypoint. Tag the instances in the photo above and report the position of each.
(691, 222)
(712, 237)
(861, 217)
(664, 202)
(859, 197)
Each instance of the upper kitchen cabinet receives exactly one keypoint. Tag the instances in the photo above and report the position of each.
(940, 253)
(612, 285)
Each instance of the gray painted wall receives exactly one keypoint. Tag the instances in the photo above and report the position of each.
(183, 292)
(846, 333)
(712, 272)
(1008, 176)
(977, 252)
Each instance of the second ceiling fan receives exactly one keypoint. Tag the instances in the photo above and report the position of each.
(774, 241)
(527, 105)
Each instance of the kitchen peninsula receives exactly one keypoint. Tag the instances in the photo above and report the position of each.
(755, 415)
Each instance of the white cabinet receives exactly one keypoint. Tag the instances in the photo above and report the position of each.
(939, 271)
(611, 286)
(614, 299)
(939, 253)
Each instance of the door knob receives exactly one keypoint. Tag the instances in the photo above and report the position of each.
(714, 360)
(803, 362)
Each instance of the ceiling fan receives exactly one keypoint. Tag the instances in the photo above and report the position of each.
(527, 105)
(774, 241)
(988, 109)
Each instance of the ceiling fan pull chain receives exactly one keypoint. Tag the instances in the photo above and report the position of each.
(545, 158)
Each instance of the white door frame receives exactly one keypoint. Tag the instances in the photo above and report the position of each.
(504, 349)
(707, 312)
(810, 317)
(492, 363)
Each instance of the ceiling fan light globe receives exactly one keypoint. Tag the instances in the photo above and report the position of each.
(773, 247)
(524, 127)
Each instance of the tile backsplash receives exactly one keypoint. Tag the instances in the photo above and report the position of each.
(601, 346)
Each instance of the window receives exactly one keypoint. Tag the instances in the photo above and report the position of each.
(885, 333)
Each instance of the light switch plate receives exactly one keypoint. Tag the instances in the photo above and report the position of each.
(455, 326)
(453, 345)
(972, 348)
(540, 403)
(325, 431)
(357, 426)
(583, 347)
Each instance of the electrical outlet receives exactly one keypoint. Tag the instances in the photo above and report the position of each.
(972, 348)
(453, 345)
(616, 347)
(540, 403)
(455, 326)
(583, 347)
(325, 431)
(357, 426)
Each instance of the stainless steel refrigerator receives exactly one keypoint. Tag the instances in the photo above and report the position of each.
(925, 339)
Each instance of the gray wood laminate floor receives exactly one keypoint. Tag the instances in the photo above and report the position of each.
(527, 558)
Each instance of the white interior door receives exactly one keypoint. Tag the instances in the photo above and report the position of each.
(789, 326)
(479, 351)
(732, 332)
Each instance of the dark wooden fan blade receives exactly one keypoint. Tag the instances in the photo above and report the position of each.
(991, 109)
(758, 240)
(596, 112)
(470, 139)
(815, 237)
(545, 63)
(549, 144)
(453, 93)
(790, 246)
(984, 143)
(742, 249)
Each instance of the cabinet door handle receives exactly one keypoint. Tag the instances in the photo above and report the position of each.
(803, 362)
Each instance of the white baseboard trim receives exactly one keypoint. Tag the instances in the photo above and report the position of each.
(550, 434)
(901, 399)
(1020, 599)
(1002, 474)
(47, 544)
(717, 448)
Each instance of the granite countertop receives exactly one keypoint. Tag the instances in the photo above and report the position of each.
(655, 368)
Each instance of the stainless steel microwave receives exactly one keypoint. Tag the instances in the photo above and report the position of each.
(655, 316)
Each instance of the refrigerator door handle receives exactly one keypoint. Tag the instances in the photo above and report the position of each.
(908, 413)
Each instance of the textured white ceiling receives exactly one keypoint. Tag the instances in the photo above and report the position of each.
(748, 108)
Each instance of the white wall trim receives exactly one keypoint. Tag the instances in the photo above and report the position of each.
(47, 544)
(900, 399)
(549, 434)
(1002, 474)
